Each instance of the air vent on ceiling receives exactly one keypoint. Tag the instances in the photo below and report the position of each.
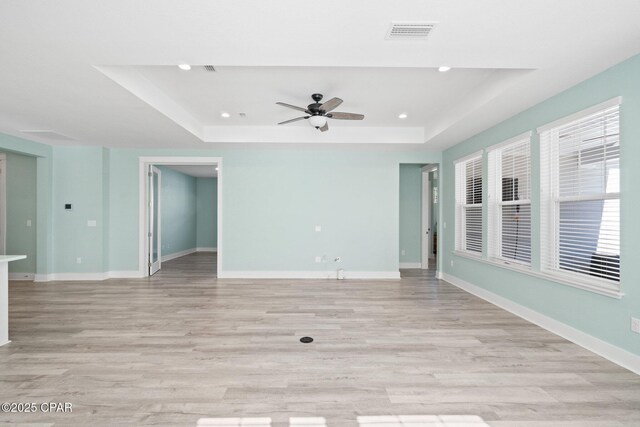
(242, 115)
(47, 134)
(410, 30)
(210, 68)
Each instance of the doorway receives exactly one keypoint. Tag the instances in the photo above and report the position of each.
(162, 205)
(429, 217)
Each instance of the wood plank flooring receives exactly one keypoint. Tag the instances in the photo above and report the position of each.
(183, 346)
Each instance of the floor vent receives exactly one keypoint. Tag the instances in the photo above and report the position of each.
(410, 30)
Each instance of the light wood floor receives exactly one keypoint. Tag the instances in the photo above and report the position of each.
(182, 346)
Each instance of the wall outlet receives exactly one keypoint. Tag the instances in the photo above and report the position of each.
(318, 228)
(78, 260)
(338, 259)
(635, 325)
(92, 223)
(403, 252)
(445, 224)
(28, 223)
(318, 259)
(451, 263)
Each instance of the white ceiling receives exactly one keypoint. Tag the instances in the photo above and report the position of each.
(103, 73)
(198, 171)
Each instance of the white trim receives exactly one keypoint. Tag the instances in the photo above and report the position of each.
(21, 277)
(469, 157)
(88, 277)
(143, 163)
(308, 275)
(130, 274)
(426, 238)
(3, 203)
(439, 275)
(580, 114)
(206, 249)
(410, 265)
(609, 351)
(585, 285)
(518, 138)
(178, 254)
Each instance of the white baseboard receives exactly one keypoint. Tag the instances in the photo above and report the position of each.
(21, 277)
(609, 351)
(206, 249)
(308, 275)
(177, 254)
(410, 265)
(133, 274)
(438, 275)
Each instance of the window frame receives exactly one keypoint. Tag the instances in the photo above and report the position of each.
(550, 200)
(462, 206)
(495, 202)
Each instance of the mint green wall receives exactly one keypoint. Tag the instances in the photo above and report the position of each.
(601, 316)
(410, 212)
(21, 206)
(44, 183)
(207, 212)
(178, 211)
(78, 179)
(273, 198)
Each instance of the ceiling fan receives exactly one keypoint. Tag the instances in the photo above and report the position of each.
(317, 113)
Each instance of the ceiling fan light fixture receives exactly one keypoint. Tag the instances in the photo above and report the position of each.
(317, 121)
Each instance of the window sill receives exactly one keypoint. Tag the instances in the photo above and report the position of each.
(568, 281)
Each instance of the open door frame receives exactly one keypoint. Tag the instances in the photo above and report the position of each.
(154, 232)
(143, 210)
(427, 232)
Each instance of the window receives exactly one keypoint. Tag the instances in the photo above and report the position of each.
(580, 196)
(510, 200)
(469, 204)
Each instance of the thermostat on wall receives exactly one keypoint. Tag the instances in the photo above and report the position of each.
(67, 206)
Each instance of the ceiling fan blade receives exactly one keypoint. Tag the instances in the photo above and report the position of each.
(325, 127)
(284, 104)
(346, 116)
(293, 120)
(331, 104)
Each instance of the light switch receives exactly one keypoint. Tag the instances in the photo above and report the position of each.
(318, 228)
(28, 223)
(92, 223)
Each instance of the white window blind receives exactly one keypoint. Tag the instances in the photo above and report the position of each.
(580, 197)
(469, 204)
(509, 177)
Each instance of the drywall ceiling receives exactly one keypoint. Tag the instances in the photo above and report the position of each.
(103, 73)
(197, 171)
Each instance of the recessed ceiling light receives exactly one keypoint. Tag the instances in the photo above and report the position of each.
(185, 67)
(225, 115)
(444, 68)
(402, 116)
(216, 168)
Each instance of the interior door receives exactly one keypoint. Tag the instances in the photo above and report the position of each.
(154, 220)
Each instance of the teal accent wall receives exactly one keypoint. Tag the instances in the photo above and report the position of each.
(78, 178)
(178, 211)
(44, 184)
(207, 212)
(603, 317)
(21, 185)
(273, 198)
(410, 213)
